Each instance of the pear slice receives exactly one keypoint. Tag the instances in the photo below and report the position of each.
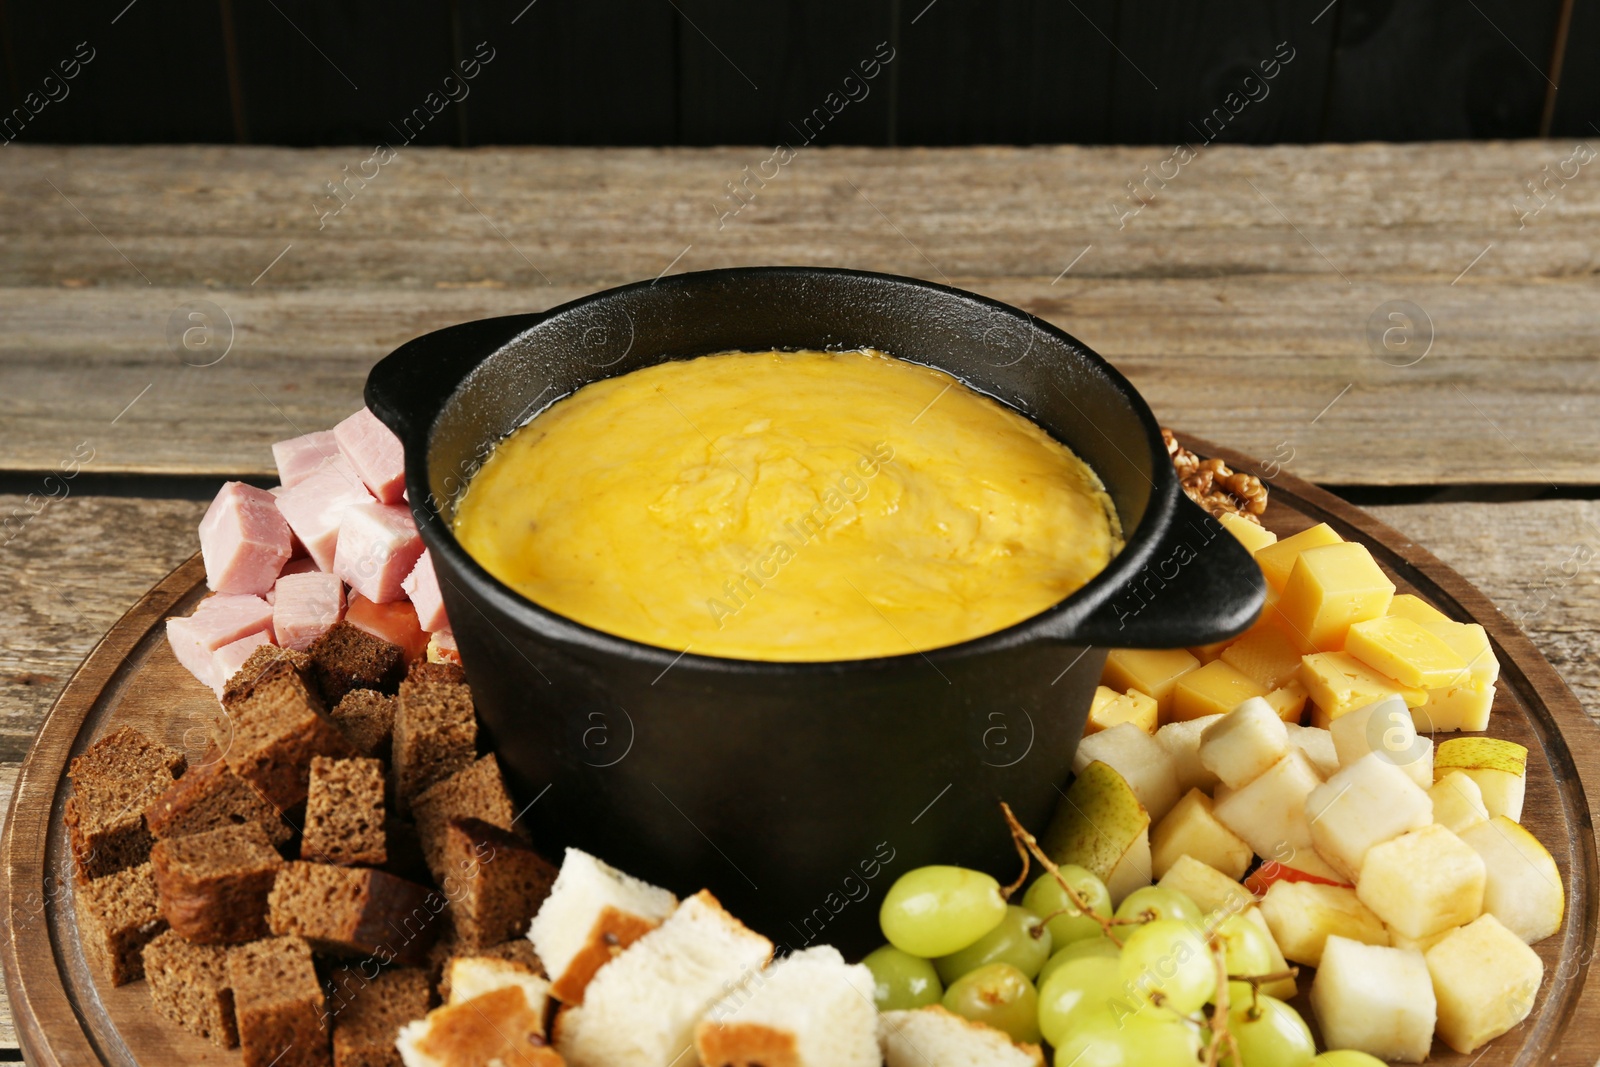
(1100, 825)
(1499, 767)
(1523, 887)
(1145, 765)
(1457, 802)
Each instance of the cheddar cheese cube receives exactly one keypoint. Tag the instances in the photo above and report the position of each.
(1207, 653)
(1408, 606)
(1469, 641)
(1460, 707)
(1277, 559)
(1289, 700)
(1152, 671)
(1252, 535)
(1329, 589)
(1265, 655)
(1109, 708)
(1214, 689)
(1401, 649)
(1339, 683)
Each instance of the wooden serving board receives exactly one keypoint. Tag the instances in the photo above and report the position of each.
(64, 1015)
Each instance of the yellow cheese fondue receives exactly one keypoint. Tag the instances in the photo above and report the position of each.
(788, 506)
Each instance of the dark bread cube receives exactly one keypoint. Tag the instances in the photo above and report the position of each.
(355, 911)
(210, 796)
(424, 671)
(344, 812)
(494, 881)
(435, 735)
(347, 657)
(477, 791)
(189, 985)
(275, 732)
(278, 1003)
(404, 848)
(367, 718)
(112, 783)
(265, 663)
(213, 886)
(117, 916)
(369, 1012)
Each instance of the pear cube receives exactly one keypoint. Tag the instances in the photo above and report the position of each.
(1244, 743)
(1421, 944)
(1191, 829)
(1216, 893)
(1181, 739)
(1269, 814)
(1457, 802)
(1284, 988)
(1303, 915)
(1318, 746)
(1523, 887)
(1101, 826)
(1146, 766)
(1367, 803)
(1499, 767)
(1423, 881)
(1375, 1000)
(1485, 979)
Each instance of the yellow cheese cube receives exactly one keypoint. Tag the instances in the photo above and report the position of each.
(1289, 700)
(1207, 653)
(1152, 671)
(1252, 535)
(1459, 707)
(1277, 559)
(1469, 641)
(1339, 683)
(1266, 655)
(1329, 589)
(1407, 606)
(1403, 650)
(1110, 708)
(1214, 689)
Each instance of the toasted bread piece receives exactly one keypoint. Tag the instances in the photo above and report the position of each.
(472, 976)
(808, 1010)
(934, 1037)
(593, 912)
(640, 1010)
(495, 1016)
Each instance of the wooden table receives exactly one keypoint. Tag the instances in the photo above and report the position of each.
(1249, 295)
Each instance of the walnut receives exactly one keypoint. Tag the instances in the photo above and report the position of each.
(1215, 486)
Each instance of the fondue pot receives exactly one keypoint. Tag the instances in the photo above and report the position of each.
(798, 792)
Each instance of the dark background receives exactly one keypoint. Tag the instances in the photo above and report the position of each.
(699, 72)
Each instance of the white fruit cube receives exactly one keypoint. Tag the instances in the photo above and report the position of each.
(1284, 988)
(1244, 743)
(1499, 767)
(1423, 882)
(1270, 814)
(1303, 915)
(1382, 726)
(1182, 741)
(1367, 803)
(1523, 887)
(1375, 1000)
(1134, 754)
(1132, 870)
(1457, 802)
(1421, 944)
(1485, 980)
(1216, 893)
(1191, 829)
(1318, 746)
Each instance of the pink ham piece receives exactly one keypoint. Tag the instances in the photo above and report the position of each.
(422, 586)
(376, 454)
(305, 606)
(299, 456)
(220, 620)
(378, 546)
(243, 539)
(303, 565)
(230, 657)
(316, 505)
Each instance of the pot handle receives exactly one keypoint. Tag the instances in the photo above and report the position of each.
(1199, 585)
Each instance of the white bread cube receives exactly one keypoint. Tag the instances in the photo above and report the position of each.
(934, 1037)
(1190, 829)
(473, 976)
(1457, 802)
(640, 1010)
(1304, 915)
(1147, 767)
(1522, 887)
(811, 1009)
(593, 912)
(1318, 746)
(1215, 892)
(1244, 743)
(1182, 741)
(1368, 802)
(1485, 979)
(1269, 814)
(1423, 881)
(496, 1007)
(1375, 1000)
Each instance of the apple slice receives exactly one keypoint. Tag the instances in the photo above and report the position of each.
(1367, 803)
(1375, 1000)
(1101, 826)
(1303, 915)
(1499, 767)
(1423, 881)
(1523, 887)
(1485, 980)
(1270, 873)
(1457, 802)
(1191, 829)
(1146, 766)
(1244, 743)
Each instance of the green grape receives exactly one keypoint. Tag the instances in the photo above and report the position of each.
(902, 981)
(1045, 898)
(1077, 991)
(1097, 947)
(1153, 902)
(1346, 1057)
(1167, 963)
(1270, 1034)
(934, 911)
(1150, 1036)
(1000, 996)
(1012, 942)
(1245, 946)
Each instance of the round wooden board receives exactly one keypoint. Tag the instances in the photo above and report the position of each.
(65, 1015)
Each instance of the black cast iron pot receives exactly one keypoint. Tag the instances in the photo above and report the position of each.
(798, 792)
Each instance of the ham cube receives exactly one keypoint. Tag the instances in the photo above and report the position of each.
(230, 657)
(315, 506)
(220, 620)
(305, 606)
(378, 546)
(299, 456)
(376, 454)
(302, 565)
(422, 586)
(243, 540)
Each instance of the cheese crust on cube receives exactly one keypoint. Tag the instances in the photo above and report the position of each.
(1423, 881)
(1152, 671)
(1403, 650)
(1375, 1000)
(1191, 830)
(1485, 981)
(1277, 560)
(1214, 689)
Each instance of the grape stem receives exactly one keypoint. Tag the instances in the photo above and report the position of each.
(1222, 1039)
(1026, 843)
